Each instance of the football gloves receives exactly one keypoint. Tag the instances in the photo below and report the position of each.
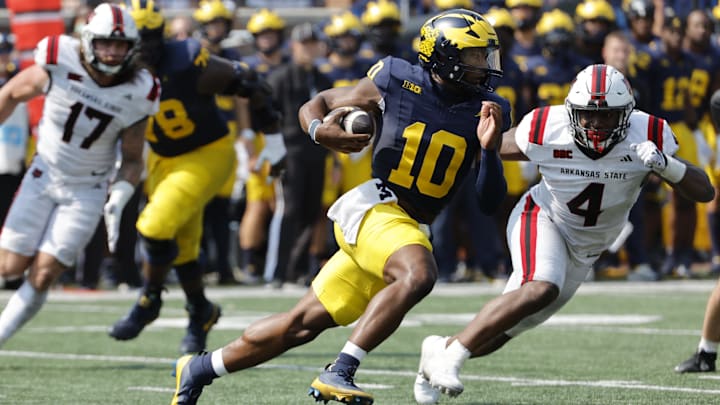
(273, 153)
(120, 193)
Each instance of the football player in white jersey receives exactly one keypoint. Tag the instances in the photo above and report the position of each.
(96, 99)
(593, 153)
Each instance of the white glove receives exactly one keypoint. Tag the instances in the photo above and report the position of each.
(650, 155)
(120, 193)
(704, 152)
(273, 152)
(717, 151)
(669, 168)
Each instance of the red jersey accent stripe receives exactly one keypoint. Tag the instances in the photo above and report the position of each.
(154, 92)
(655, 131)
(528, 239)
(598, 82)
(52, 50)
(537, 125)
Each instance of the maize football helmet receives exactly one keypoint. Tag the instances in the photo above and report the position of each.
(445, 37)
(341, 25)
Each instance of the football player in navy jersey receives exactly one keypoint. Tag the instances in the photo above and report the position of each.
(191, 157)
(435, 118)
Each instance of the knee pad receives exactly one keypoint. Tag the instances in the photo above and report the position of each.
(159, 252)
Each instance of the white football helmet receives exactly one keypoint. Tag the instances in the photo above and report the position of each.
(600, 88)
(109, 21)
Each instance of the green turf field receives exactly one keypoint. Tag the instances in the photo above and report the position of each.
(615, 343)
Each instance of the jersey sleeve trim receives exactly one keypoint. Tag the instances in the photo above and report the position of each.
(51, 54)
(537, 125)
(655, 131)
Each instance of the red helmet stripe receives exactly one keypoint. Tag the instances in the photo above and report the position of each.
(117, 19)
(597, 92)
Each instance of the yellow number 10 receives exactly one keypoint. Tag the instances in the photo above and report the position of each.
(438, 140)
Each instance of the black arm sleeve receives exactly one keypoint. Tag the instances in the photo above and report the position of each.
(248, 84)
(490, 184)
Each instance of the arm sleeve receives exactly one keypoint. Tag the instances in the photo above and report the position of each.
(490, 183)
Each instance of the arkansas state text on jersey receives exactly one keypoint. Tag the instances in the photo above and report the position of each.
(589, 200)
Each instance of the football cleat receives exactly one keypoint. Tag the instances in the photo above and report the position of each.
(145, 310)
(700, 362)
(187, 390)
(338, 384)
(201, 321)
(424, 393)
(440, 371)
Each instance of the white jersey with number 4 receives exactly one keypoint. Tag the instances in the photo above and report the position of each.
(81, 121)
(588, 200)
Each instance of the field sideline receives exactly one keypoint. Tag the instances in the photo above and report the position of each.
(615, 343)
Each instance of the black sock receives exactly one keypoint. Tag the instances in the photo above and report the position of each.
(345, 360)
(203, 369)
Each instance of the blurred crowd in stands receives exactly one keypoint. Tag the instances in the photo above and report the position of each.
(261, 230)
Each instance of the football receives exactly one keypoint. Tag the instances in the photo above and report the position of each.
(357, 121)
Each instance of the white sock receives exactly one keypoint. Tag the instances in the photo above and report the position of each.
(354, 350)
(218, 364)
(23, 305)
(708, 346)
(457, 352)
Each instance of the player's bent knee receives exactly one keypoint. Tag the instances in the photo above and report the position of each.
(422, 282)
(42, 279)
(540, 293)
(159, 252)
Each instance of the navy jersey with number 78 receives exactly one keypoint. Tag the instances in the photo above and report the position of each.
(427, 145)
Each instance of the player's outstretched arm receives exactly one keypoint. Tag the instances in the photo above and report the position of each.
(509, 149)
(25, 85)
(683, 176)
(128, 176)
(695, 184)
(328, 132)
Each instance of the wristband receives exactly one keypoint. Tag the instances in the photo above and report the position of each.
(674, 170)
(312, 128)
(248, 134)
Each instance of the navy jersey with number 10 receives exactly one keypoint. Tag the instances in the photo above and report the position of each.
(427, 145)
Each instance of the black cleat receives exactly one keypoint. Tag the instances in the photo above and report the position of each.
(338, 385)
(201, 321)
(700, 362)
(187, 386)
(145, 310)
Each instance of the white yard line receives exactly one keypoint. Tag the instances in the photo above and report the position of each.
(440, 290)
(514, 381)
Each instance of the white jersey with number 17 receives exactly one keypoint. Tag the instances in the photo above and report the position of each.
(81, 120)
